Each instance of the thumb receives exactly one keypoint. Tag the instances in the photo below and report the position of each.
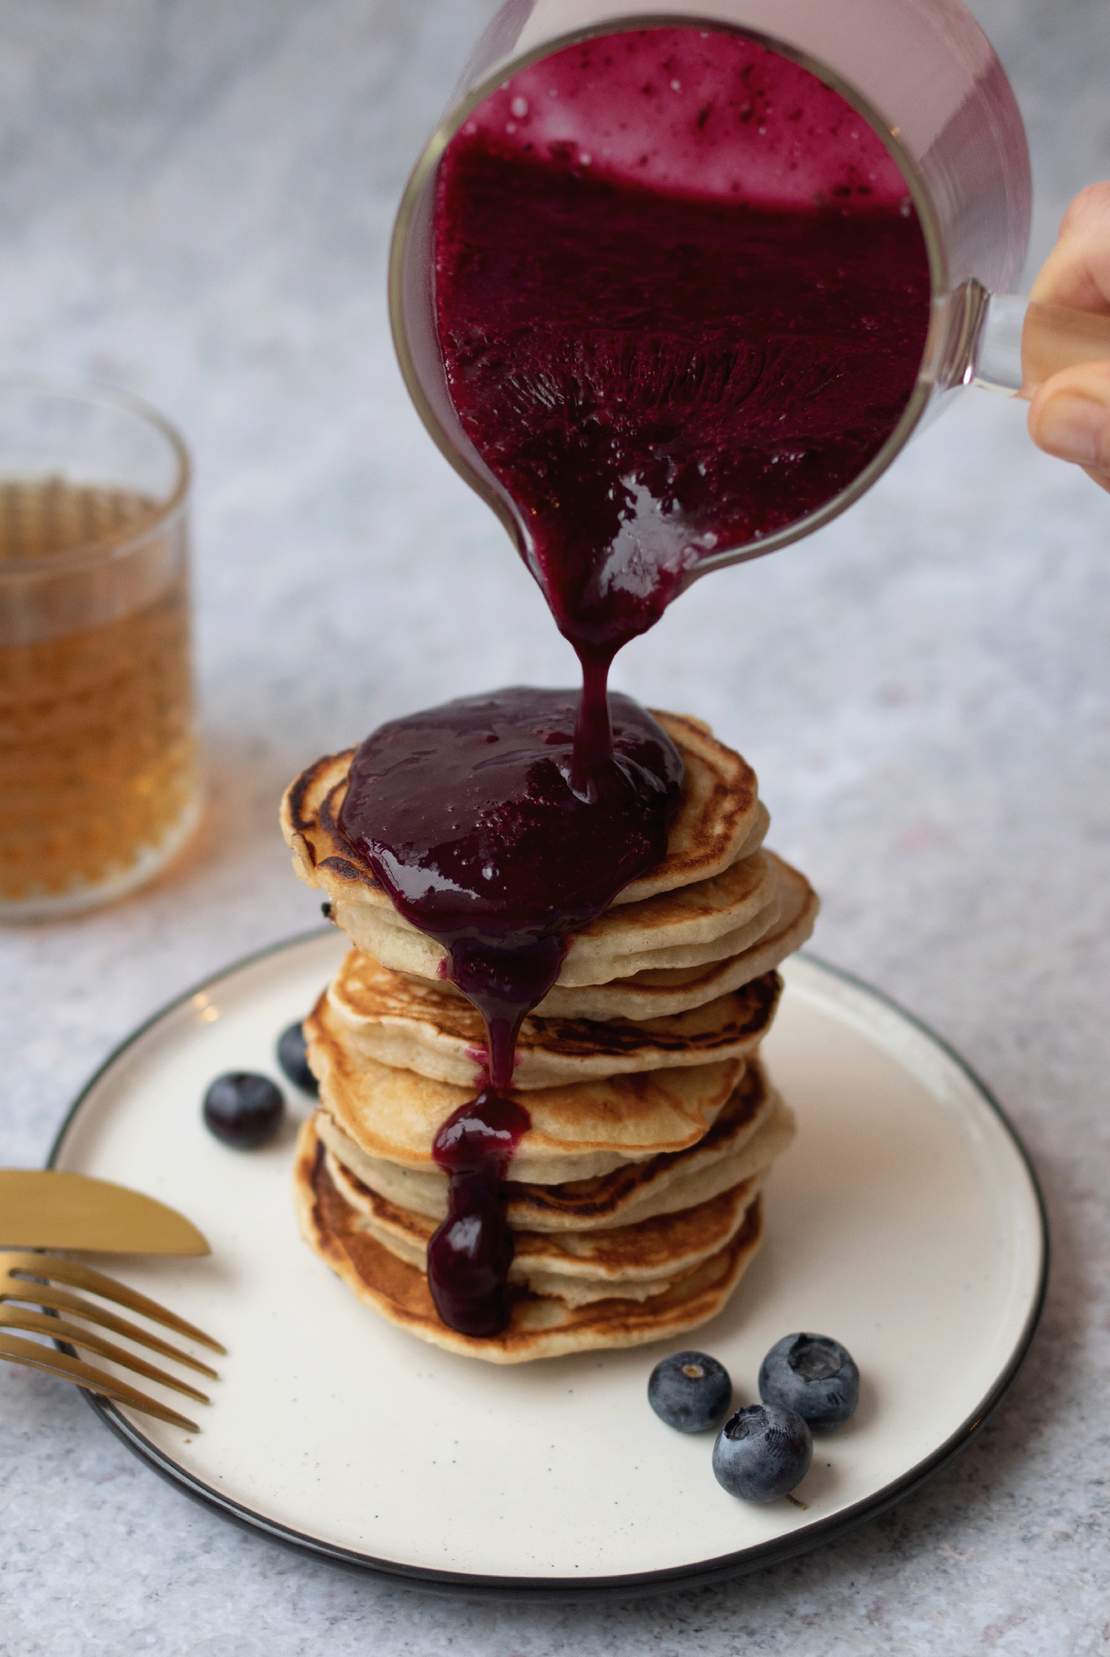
(1070, 417)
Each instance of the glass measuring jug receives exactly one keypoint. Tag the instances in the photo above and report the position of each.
(926, 81)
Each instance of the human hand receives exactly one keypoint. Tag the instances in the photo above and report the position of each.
(1070, 413)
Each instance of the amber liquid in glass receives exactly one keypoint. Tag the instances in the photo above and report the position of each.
(97, 748)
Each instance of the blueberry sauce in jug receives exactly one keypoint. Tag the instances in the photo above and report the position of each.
(682, 296)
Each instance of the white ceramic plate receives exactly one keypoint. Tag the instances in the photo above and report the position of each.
(905, 1222)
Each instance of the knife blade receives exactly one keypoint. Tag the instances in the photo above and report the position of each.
(50, 1208)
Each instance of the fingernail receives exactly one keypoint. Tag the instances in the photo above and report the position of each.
(1071, 427)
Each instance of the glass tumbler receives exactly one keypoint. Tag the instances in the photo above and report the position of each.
(98, 749)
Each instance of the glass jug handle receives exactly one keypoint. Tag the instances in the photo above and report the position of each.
(1020, 343)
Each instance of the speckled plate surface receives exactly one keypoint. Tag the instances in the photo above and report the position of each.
(906, 1221)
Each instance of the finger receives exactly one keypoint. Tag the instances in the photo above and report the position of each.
(1070, 417)
(1077, 271)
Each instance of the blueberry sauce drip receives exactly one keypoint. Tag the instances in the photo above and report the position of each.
(470, 816)
(471, 1252)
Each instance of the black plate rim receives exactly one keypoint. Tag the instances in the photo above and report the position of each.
(562, 1589)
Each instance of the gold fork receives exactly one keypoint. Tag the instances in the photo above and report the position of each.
(27, 1282)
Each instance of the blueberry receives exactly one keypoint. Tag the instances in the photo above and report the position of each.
(690, 1391)
(243, 1109)
(292, 1059)
(812, 1375)
(762, 1452)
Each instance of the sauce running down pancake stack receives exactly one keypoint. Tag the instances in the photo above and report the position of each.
(634, 1194)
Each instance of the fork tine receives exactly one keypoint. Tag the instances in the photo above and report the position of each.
(80, 1276)
(44, 1294)
(64, 1368)
(60, 1329)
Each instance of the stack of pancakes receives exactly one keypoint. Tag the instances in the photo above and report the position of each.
(635, 1195)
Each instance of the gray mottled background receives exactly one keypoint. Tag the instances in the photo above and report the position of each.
(196, 198)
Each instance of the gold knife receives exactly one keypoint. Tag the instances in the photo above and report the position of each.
(46, 1208)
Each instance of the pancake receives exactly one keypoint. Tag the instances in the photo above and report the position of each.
(720, 820)
(634, 1261)
(754, 1128)
(540, 1326)
(687, 927)
(413, 1024)
(665, 981)
(663, 994)
(577, 1131)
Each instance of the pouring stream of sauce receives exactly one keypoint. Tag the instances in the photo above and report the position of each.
(682, 297)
